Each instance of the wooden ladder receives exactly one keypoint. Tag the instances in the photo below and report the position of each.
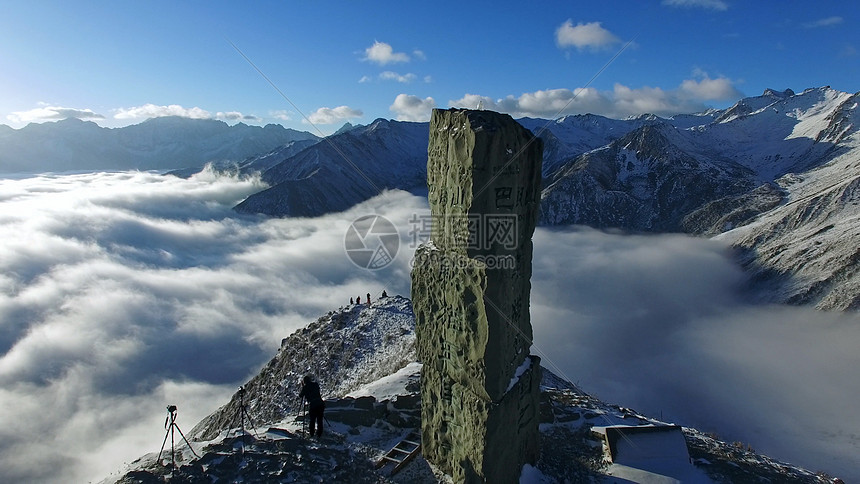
(402, 453)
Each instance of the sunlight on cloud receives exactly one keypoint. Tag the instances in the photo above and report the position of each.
(52, 113)
(333, 115)
(382, 54)
(412, 108)
(154, 111)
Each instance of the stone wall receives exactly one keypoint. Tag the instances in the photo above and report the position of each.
(470, 290)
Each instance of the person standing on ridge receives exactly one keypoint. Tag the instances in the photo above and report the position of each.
(368, 299)
(358, 300)
(316, 405)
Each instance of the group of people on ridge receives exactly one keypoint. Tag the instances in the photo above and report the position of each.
(358, 299)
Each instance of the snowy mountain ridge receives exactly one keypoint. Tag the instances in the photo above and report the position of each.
(363, 355)
(704, 174)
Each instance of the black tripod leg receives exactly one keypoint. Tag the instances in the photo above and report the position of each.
(251, 421)
(162, 445)
(186, 442)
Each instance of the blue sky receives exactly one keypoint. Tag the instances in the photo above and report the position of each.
(118, 63)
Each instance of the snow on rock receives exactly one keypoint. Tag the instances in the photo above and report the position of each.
(402, 382)
(344, 350)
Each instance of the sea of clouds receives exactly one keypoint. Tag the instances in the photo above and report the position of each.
(121, 293)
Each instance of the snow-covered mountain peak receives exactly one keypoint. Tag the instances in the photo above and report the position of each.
(778, 94)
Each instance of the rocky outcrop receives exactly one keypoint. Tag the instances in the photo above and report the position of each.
(344, 350)
(470, 289)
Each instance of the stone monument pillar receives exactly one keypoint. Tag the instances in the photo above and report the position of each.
(470, 293)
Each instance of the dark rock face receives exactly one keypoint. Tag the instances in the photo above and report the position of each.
(470, 289)
(643, 181)
(343, 170)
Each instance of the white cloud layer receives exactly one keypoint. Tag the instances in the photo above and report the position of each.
(333, 115)
(619, 103)
(121, 293)
(407, 107)
(584, 36)
(718, 5)
(659, 324)
(383, 54)
(52, 113)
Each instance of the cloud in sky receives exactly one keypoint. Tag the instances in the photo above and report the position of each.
(281, 114)
(393, 76)
(584, 36)
(719, 89)
(237, 116)
(824, 22)
(621, 102)
(383, 54)
(407, 107)
(123, 292)
(333, 115)
(155, 111)
(52, 113)
(719, 5)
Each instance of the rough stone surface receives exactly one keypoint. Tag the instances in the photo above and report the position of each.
(470, 289)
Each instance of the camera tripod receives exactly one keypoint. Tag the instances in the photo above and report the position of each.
(242, 414)
(171, 418)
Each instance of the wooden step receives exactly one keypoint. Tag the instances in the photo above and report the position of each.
(411, 439)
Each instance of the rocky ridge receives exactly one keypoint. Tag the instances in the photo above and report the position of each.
(368, 420)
